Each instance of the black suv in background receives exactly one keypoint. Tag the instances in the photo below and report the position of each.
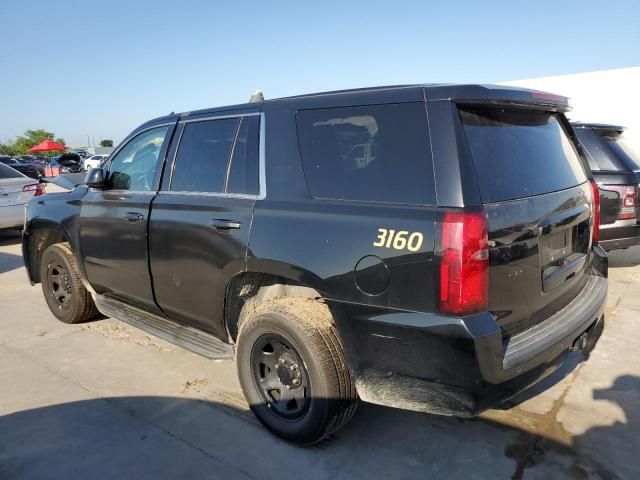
(616, 170)
(33, 171)
(429, 247)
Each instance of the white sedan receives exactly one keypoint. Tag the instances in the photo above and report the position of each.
(93, 161)
(16, 190)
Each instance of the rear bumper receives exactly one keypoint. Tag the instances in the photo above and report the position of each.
(460, 366)
(622, 234)
(12, 217)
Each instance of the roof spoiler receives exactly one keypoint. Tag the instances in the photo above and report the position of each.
(500, 95)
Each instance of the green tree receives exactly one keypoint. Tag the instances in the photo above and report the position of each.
(30, 139)
(7, 148)
(106, 143)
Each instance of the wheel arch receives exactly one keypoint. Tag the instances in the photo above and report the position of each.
(36, 239)
(262, 285)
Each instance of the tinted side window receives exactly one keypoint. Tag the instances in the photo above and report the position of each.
(243, 172)
(373, 153)
(203, 156)
(134, 167)
(598, 156)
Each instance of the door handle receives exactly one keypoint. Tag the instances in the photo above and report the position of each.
(222, 224)
(133, 217)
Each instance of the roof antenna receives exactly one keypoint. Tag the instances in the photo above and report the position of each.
(257, 97)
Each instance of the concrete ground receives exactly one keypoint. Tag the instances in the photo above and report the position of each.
(104, 400)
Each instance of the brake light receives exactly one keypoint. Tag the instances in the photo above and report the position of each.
(464, 266)
(628, 200)
(596, 212)
(37, 188)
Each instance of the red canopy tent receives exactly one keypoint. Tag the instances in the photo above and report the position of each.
(47, 146)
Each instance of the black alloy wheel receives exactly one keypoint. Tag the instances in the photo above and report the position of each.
(281, 376)
(59, 285)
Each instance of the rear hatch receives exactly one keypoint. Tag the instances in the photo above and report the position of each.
(537, 199)
(614, 166)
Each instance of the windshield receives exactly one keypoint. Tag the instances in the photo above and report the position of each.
(520, 153)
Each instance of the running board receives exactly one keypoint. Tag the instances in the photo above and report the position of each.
(193, 340)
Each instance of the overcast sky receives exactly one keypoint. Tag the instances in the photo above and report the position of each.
(98, 69)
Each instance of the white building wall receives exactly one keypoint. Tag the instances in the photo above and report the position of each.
(606, 96)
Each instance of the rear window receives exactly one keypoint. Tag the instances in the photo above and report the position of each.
(624, 150)
(599, 155)
(377, 153)
(520, 153)
(7, 172)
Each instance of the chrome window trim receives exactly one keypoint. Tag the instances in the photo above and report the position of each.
(218, 117)
(121, 191)
(262, 174)
(209, 194)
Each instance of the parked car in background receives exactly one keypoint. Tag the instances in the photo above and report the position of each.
(93, 161)
(36, 162)
(71, 161)
(81, 153)
(16, 190)
(27, 169)
(616, 169)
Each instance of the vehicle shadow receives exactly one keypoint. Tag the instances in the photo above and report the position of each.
(11, 237)
(629, 257)
(170, 437)
(9, 261)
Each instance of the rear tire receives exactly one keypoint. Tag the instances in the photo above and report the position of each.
(292, 369)
(63, 290)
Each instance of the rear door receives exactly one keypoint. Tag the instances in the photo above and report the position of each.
(201, 218)
(537, 199)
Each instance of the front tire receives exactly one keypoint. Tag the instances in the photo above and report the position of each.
(63, 290)
(292, 369)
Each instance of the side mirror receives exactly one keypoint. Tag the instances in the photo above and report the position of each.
(95, 178)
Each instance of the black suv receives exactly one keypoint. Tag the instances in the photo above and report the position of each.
(428, 247)
(616, 170)
(27, 169)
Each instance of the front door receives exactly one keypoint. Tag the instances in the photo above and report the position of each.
(113, 220)
(200, 220)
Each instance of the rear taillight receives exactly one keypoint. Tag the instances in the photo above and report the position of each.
(596, 212)
(36, 188)
(628, 201)
(464, 265)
